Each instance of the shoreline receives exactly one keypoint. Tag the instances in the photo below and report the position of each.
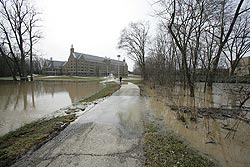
(163, 147)
(10, 150)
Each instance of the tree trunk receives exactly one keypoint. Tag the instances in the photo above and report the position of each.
(31, 56)
(210, 79)
(22, 67)
(13, 71)
(143, 72)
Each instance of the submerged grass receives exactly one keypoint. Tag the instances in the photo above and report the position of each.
(30, 137)
(165, 149)
(106, 91)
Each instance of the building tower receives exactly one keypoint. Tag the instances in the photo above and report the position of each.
(71, 49)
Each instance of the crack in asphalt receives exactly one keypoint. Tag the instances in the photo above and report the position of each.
(119, 155)
(135, 149)
(52, 158)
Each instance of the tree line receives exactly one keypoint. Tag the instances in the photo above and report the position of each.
(191, 36)
(6, 65)
(19, 33)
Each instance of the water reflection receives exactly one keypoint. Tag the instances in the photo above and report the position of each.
(23, 102)
(129, 119)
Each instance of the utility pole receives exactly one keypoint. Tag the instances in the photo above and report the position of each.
(118, 56)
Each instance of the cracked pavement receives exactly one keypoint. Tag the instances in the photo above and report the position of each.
(109, 134)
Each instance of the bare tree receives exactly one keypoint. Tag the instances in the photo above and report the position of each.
(207, 51)
(225, 26)
(200, 27)
(133, 40)
(156, 63)
(38, 63)
(34, 35)
(17, 26)
(162, 60)
(239, 43)
(185, 21)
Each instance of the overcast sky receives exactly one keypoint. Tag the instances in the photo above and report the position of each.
(92, 26)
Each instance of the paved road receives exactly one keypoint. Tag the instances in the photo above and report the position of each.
(107, 135)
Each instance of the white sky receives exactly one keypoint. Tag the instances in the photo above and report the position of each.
(92, 26)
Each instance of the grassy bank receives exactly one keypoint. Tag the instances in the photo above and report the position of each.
(30, 137)
(68, 78)
(107, 91)
(60, 78)
(165, 149)
(136, 79)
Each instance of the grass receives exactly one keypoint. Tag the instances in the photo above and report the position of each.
(60, 78)
(164, 149)
(68, 78)
(107, 91)
(136, 81)
(30, 137)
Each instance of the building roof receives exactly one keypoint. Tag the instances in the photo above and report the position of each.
(55, 63)
(58, 63)
(97, 59)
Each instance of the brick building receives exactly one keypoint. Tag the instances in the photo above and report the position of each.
(53, 67)
(243, 67)
(81, 64)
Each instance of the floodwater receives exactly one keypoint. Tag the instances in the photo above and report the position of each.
(227, 95)
(24, 102)
(209, 136)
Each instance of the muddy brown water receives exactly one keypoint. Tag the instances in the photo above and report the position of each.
(207, 135)
(24, 102)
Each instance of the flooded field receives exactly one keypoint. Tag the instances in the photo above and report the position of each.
(221, 95)
(225, 140)
(23, 102)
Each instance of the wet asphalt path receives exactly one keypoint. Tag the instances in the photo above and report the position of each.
(107, 135)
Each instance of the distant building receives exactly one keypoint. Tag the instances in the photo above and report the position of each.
(243, 67)
(81, 64)
(88, 65)
(52, 67)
